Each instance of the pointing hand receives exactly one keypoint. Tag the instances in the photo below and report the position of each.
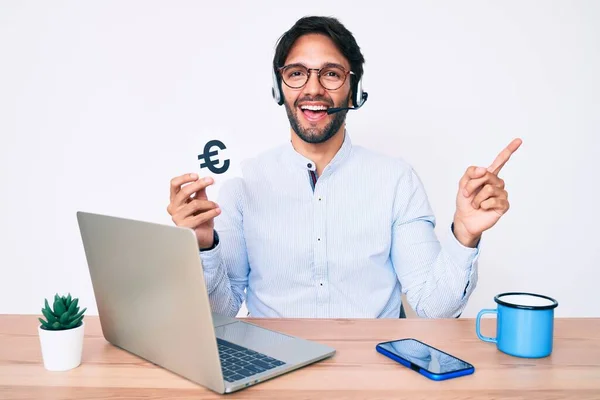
(482, 198)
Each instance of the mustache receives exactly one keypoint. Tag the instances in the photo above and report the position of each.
(317, 98)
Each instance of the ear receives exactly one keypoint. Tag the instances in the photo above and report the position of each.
(351, 93)
(351, 99)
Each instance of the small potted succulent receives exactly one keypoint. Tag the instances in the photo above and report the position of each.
(61, 333)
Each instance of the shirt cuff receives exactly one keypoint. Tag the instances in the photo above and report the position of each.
(211, 258)
(461, 255)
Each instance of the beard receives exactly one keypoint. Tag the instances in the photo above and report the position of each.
(314, 134)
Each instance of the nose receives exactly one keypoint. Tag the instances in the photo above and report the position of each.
(313, 86)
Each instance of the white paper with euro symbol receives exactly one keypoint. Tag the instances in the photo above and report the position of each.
(217, 155)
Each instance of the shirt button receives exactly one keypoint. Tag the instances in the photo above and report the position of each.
(309, 165)
(320, 198)
(319, 239)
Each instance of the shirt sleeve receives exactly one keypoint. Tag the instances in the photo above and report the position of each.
(226, 266)
(437, 277)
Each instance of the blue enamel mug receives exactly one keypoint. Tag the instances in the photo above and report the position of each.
(524, 324)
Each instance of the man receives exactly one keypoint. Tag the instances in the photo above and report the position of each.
(321, 228)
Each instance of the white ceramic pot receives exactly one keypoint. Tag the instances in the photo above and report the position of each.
(61, 350)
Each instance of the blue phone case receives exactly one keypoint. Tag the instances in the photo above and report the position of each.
(422, 371)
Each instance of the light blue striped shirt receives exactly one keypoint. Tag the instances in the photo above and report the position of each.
(344, 248)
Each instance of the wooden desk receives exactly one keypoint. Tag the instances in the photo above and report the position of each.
(356, 371)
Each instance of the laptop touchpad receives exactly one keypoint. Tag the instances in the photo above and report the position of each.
(251, 336)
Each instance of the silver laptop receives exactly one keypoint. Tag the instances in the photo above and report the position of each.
(152, 301)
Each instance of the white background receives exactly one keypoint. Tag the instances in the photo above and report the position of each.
(102, 103)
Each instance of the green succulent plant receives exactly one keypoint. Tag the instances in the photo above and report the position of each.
(65, 315)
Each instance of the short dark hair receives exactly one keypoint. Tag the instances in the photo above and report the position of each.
(331, 27)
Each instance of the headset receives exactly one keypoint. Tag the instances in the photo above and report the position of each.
(358, 96)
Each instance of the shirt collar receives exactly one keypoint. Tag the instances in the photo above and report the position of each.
(297, 160)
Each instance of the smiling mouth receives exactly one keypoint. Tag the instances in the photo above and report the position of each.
(314, 112)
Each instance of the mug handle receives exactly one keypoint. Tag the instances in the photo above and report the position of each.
(477, 326)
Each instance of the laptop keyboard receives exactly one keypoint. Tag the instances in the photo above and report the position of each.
(239, 362)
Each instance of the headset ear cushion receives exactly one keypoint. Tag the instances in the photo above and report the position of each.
(358, 94)
(276, 89)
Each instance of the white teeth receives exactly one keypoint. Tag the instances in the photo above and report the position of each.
(313, 108)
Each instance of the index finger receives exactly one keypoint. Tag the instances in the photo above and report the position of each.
(180, 180)
(504, 156)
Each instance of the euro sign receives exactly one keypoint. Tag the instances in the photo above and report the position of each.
(207, 157)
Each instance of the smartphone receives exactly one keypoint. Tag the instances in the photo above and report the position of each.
(425, 359)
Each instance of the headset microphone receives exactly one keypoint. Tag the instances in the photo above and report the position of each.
(360, 104)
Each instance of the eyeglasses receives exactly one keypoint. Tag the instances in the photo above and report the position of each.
(331, 76)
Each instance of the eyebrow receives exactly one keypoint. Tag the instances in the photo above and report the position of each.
(327, 64)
